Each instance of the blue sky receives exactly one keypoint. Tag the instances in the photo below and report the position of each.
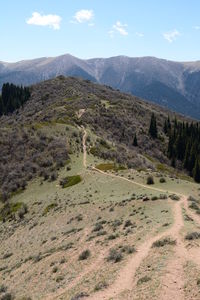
(100, 28)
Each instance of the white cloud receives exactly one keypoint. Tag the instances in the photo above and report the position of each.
(83, 16)
(171, 36)
(118, 27)
(53, 21)
(197, 27)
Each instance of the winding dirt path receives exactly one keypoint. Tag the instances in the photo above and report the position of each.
(173, 282)
(125, 280)
(137, 183)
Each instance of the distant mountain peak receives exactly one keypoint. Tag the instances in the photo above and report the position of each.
(176, 82)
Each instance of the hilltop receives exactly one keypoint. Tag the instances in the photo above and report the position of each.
(112, 117)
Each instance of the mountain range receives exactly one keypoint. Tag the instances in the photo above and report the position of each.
(175, 85)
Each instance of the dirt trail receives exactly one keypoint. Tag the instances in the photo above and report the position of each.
(80, 112)
(137, 183)
(173, 281)
(125, 280)
(87, 270)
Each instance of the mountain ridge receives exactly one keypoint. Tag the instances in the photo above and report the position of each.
(175, 81)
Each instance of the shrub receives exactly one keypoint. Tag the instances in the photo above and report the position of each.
(63, 260)
(150, 180)
(3, 288)
(84, 255)
(59, 278)
(22, 211)
(7, 255)
(163, 196)
(97, 227)
(49, 207)
(114, 256)
(162, 180)
(128, 223)
(192, 236)
(163, 242)
(128, 249)
(101, 285)
(192, 199)
(174, 197)
(53, 176)
(112, 236)
(143, 280)
(55, 269)
(70, 181)
(194, 206)
(7, 296)
(79, 296)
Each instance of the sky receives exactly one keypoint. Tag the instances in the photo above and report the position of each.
(167, 29)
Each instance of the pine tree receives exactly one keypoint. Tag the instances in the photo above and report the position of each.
(196, 171)
(187, 156)
(165, 128)
(135, 143)
(169, 123)
(1, 106)
(12, 97)
(153, 127)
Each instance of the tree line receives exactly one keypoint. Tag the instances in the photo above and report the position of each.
(12, 98)
(183, 144)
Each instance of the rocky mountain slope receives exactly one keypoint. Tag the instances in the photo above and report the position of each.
(171, 84)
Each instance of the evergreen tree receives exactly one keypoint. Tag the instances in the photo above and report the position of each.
(165, 128)
(135, 143)
(153, 127)
(12, 98)
(1, 106)
(169, 123)
(196, 171)
(184, 145)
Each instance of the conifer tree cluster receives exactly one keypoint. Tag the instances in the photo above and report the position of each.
(184, 145)
(153, 127)
(12, 98)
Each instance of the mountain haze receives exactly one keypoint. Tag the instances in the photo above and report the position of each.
(175, 85)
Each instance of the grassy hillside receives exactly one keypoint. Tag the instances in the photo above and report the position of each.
(77, 217)
(37, 139)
